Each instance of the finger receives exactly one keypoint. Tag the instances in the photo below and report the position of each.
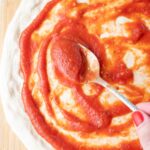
(145, 107)
(143, 131)
(142, 122)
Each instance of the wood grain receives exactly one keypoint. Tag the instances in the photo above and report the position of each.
(8, 140)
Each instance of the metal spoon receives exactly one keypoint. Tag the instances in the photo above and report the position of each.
(105, 84)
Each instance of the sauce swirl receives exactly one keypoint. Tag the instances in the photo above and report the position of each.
(62, 110)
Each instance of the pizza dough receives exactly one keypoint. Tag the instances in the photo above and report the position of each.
(121, 26)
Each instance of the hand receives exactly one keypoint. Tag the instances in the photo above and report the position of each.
(142, 121)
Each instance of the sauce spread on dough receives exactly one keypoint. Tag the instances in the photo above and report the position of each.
(61, 67)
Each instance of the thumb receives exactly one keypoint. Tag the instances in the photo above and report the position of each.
(142, 122)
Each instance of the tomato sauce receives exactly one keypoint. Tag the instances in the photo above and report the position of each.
(70, 67)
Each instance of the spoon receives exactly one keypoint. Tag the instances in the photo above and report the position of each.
(105, 84)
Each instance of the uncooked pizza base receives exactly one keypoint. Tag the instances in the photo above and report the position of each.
(12, 79)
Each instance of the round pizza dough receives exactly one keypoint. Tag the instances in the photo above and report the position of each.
(12, 80)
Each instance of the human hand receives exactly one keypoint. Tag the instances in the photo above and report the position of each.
(142, 121)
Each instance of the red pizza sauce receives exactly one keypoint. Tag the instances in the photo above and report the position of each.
(70, 67)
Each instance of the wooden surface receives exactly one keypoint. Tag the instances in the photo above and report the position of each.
(8, 140)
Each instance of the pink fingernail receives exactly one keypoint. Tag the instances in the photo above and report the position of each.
(138, 118)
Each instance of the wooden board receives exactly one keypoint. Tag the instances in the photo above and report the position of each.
(8, 140)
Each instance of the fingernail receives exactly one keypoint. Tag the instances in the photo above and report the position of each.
(138, 118)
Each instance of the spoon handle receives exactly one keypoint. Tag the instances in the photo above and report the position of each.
(116, 93)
